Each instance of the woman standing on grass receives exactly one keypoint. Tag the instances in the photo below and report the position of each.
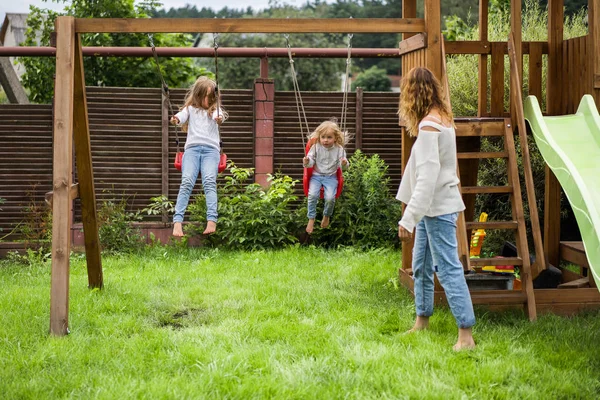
(429, 188)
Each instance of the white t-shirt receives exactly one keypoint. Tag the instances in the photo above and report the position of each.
(325, 160)
(202, 129)
(429, 185)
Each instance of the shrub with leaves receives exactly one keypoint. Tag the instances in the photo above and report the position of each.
(250, 216)
(159, 205)
(365, 214)
(116, 231)
(373, 79)
(105, 71)
(36, 227)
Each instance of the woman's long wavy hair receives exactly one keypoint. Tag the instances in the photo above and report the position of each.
(198, 92)
(420, 92)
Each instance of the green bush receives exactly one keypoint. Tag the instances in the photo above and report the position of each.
(373, 80)
(365, 214)
(116, 230)
(250, 217)
(36, 227)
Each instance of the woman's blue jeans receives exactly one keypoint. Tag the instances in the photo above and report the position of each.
(329, 184)
(436, 250)
(198, 159)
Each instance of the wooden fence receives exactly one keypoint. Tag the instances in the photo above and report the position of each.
(133, 146)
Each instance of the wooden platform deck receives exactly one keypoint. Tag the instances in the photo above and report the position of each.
(575, 295)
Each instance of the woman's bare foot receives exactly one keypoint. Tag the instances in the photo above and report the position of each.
(465, 340)
(310, 226)
(325, 222)
(177, 229)
(421, 324)
(211, 227)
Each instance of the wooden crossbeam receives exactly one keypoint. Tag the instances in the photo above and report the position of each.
(481, 262)
(481, 155)
(479, 128)
(492, 225)
(486, 189)
(416, 42)
(249, 25)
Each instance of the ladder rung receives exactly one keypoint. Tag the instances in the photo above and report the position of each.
(496, 261)
(493, 225)
(479, 127)
(481, 154)
(486, 189)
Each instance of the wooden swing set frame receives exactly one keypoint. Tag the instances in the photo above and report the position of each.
(71, 123)
(422, 45)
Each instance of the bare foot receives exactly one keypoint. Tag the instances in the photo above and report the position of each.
(325, 222)
(421, 324)
(465, 340)
(464, 345)
(310, 226)
(177, 229)
(211, 227)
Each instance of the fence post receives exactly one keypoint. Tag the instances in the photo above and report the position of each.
(359, 118)
(164, 123)
(264, 114)
(264, 67)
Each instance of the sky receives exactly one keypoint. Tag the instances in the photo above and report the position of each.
(22, 6)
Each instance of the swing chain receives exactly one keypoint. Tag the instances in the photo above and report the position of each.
(165, 87)
(217, 93)
(346, 85)
(297, 95)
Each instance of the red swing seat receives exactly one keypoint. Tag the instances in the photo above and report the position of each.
(179, 161)
(309, 171)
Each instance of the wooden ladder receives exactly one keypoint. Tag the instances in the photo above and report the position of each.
(499, 128)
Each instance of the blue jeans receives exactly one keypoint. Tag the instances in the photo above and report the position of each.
(198, 159)
(436, 250)
(329, 184)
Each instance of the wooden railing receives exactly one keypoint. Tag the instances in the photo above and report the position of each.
(497, 52)
(577, 73)
(491, 99)
(413, 52)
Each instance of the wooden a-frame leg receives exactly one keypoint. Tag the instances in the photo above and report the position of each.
(85, 173)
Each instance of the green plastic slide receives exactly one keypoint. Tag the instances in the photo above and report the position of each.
(570, 145)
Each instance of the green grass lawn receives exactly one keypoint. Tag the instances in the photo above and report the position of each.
(302, 323)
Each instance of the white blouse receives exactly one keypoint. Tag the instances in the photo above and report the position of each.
(429, 185)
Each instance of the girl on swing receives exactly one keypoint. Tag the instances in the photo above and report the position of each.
(326, 155)
(202, 116)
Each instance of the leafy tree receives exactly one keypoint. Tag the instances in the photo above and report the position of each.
(370, 9)
(104, 71)
(374, 80)
(312, 74)
(190, 11)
